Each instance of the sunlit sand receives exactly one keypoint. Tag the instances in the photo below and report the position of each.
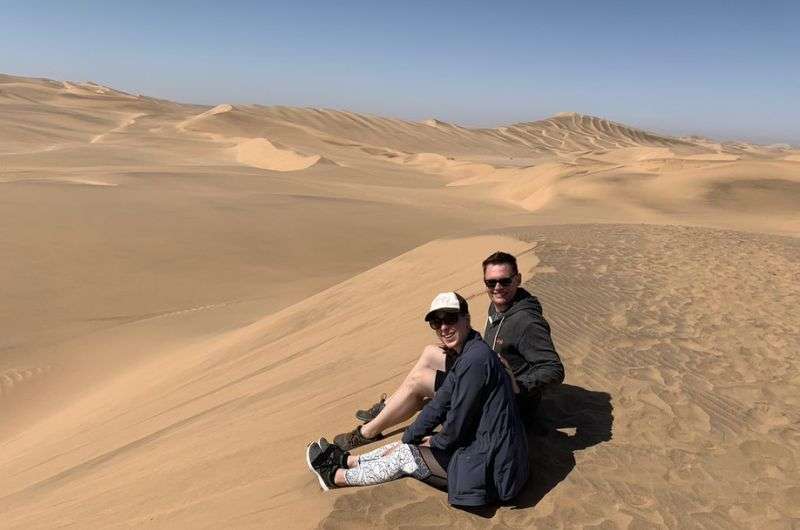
(192, 293)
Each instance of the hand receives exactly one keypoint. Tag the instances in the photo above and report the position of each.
(505, 364)
(426, 442)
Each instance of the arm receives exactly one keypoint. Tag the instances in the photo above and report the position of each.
(543, 365)
(468, 384)
(504, 362)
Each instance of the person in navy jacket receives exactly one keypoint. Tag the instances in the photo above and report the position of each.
(480, 453)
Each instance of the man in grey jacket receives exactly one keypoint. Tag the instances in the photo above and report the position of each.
(516, 330)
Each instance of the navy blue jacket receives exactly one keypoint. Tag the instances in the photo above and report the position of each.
(481, 428)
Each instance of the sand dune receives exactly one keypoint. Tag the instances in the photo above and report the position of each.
(260, 152)
(646, 393)
(223, 374)
(222, 124)
(191, 293)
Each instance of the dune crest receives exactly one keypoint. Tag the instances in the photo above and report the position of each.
(221, 122)
(126, 122)
(261, 153)
(446, 166)
(199, 118)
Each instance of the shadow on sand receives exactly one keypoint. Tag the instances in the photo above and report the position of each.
(572, 419)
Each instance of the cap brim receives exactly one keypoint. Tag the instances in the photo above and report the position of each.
(443, 309)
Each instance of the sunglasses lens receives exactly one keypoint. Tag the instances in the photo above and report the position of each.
(447, 319)
(504, 282)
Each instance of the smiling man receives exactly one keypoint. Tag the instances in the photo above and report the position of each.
(518, 332)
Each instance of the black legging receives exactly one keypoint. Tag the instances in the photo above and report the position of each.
(437, 462)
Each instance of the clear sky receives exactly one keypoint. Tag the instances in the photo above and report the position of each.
(728, 69)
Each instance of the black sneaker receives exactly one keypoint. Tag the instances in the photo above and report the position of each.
(371, 413)
(317, 461)
(351, 440)
(323, 453)
(335, 454)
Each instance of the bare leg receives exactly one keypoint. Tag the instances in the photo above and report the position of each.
(339, 478)
(410, 396)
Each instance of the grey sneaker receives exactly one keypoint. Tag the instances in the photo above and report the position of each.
(371, 413)
(351, 440)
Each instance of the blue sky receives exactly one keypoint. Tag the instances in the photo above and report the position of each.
(730, 70)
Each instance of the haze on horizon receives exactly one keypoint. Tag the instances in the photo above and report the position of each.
(721, 70)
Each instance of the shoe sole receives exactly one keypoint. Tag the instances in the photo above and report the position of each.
(308, 462)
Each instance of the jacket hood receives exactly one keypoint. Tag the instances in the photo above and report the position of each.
(523, 301)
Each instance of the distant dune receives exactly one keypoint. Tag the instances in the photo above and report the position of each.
(260, 152)
(192, 293)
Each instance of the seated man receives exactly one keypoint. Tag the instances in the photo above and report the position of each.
(515, 329)
(518, 332)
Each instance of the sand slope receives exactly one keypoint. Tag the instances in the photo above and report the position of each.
(192, 293)
(257, 380)
(681, 394)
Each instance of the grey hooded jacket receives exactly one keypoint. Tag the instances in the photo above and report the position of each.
(522, 336)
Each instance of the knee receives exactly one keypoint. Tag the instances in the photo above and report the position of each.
(432, 358)
(413, 381)
(417, 382)
(408, 464)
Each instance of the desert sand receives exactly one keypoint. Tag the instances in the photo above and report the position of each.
(192, 293)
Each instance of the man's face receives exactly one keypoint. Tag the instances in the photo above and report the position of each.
(494, 277)
(451, 328)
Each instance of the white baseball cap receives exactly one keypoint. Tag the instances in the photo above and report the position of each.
(449, 301)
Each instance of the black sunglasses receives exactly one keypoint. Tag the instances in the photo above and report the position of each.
(447, 318)
(505, 282)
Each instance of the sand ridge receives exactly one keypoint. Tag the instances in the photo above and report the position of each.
(255, 152)
(287, 139)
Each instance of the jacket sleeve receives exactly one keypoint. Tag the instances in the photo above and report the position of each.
(466, 401)
(454, 407)
(543, 367)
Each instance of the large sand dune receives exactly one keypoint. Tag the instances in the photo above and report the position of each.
(192, 293)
